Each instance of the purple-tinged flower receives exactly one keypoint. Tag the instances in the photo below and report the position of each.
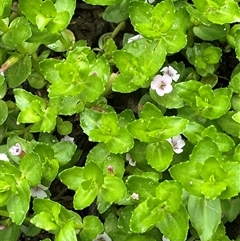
(177, 143)
(171, 72)
(102, 237)
(39, 191)
(16, 150)
(135, 196)
(162, 84)
(136, 37)
(68, 138)
(130, 160)
(3, 157)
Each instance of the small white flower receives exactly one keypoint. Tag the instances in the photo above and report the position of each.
(130, 160)
(102, 237)
(136, 37)
(165, 239)
(68, 138)
(162, 84)
(151, 1)
(16, 150)
(171, 72)
(177, 143)
(1, 73)
(39, 191)
(3, 157)
(135, 196)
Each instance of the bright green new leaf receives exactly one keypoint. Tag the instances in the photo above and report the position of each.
(31, 168)
(177, 221)
(205, 215)
(188, 173)
(4, 111)
(102, 2)
(146, 215)
(72, 177)
(13, 36)
(159, 155)
(113, 189)
(143, 186)
(170, 193)
(19, 72)
(18, 203)
(92, 226)
(85, 194)
(204, 149)
(67, 232)
(64, 151)
(121, 143)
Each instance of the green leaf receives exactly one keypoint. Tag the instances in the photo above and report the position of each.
(170, 193)
(45, 221)
(67, 232)
(177, 221)
(180, 40)
(146, 215)
(188, 173)
(113, 189)
(170, 101)
(92, 226)
(85, 194)
(227, 13)
(18, 203)
(205, 215)
(204, 149)
(159, 155)
(103, 158)
(210, 33)
(114, 14)
(163, 16)
(72, 177)
(13, 37)
(24, 6)
(231, 179)
(230, 126)
(19, 72)
(121, 143)
(143, 186)
(64, 151)
(31, 168)
(4, 111)
(11, 233)
(124, 84)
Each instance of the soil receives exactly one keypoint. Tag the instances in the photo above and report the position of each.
(88, 24)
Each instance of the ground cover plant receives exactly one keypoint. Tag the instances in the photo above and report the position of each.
(135, 136)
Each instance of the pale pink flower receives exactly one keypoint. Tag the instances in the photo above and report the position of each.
(16, 150)
(177, 143)
(171, 72)
(39, 191)
(130, 160)
(162, 84)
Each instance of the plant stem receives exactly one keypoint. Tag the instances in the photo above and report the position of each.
(108, 86)
(118, 29)
(10, 62)
(4, 213)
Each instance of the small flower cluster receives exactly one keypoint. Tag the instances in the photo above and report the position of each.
(162, 84)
